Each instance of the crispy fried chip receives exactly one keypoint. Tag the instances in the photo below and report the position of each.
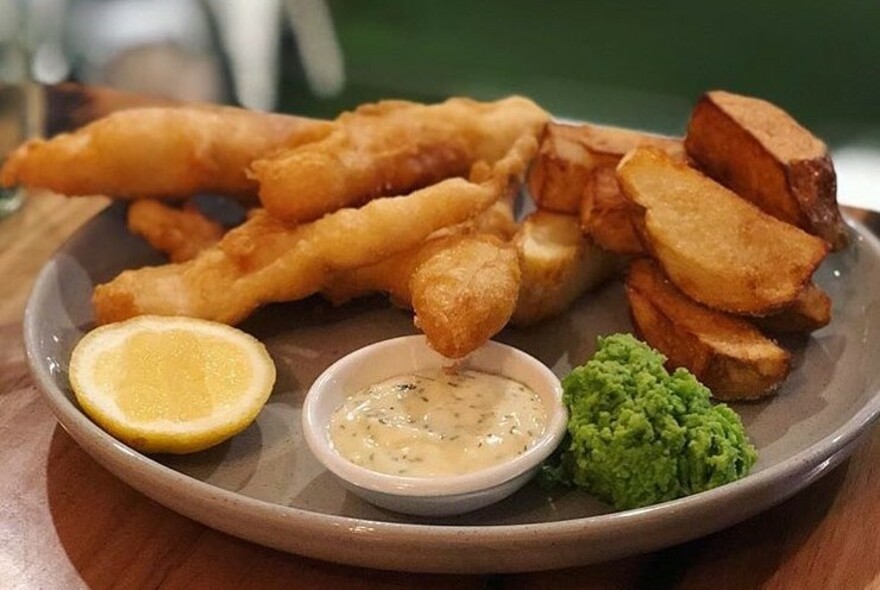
(608, 217)
(716, 247)
(726, 353)
(809, 312)
(558, 263)
(570, 157)
(765, 156)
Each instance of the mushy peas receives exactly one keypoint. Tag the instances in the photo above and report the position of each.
(638, 435)
(434, 423)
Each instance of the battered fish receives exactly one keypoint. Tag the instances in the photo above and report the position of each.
(266, 260)
(465, 294)
(443, 267)
(172, 152)
(390, 148)
(179, 233)
(392, 275)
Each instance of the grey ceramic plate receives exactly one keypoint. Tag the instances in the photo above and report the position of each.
(264, 485)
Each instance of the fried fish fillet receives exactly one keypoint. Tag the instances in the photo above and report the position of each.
(439, 272)
(266, 260)
(465, 294)
(179, 233)
(390, 148)
(159, 152)
(392, 275)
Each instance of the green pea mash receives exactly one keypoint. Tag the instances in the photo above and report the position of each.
(638, 435)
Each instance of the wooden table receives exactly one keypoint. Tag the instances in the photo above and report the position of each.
(65, 522)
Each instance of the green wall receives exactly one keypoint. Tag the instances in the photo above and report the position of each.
(640, 64)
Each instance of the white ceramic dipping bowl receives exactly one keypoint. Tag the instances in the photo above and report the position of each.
(440, 495)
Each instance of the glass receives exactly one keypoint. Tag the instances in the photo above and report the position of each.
(157, 47)
(10, 200)
(15, 116)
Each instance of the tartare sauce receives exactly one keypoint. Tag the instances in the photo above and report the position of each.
(435, 423)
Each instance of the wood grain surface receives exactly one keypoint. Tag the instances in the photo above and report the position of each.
(65, 522)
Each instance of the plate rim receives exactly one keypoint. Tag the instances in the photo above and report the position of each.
(112, 453)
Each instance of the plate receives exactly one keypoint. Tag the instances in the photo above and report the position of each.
(265, 486)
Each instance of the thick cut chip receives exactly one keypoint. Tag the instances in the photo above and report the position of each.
(809, 312)
(760, 152)
(726, 353)
(608, 217)
(571, 155)
(558, 263)
(716, 247)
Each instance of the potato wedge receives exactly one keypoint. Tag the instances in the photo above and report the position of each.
(560, 170)
(728, 354)
(761, 153)
(570, 154)
(608, 217)
(558, 264)
(809, 312)
(716, 247)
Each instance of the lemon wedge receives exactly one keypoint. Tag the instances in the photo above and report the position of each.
(171, 384)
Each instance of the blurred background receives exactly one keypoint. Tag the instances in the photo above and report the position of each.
(626, 62)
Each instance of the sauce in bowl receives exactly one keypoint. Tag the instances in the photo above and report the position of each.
(435, 423)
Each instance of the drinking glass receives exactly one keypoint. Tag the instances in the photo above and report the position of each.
(16, 93)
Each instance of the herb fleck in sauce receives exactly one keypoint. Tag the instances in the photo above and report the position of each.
(415, 425)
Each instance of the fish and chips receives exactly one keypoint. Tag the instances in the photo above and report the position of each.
(416, 201)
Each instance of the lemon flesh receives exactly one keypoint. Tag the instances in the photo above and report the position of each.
(171, 384)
